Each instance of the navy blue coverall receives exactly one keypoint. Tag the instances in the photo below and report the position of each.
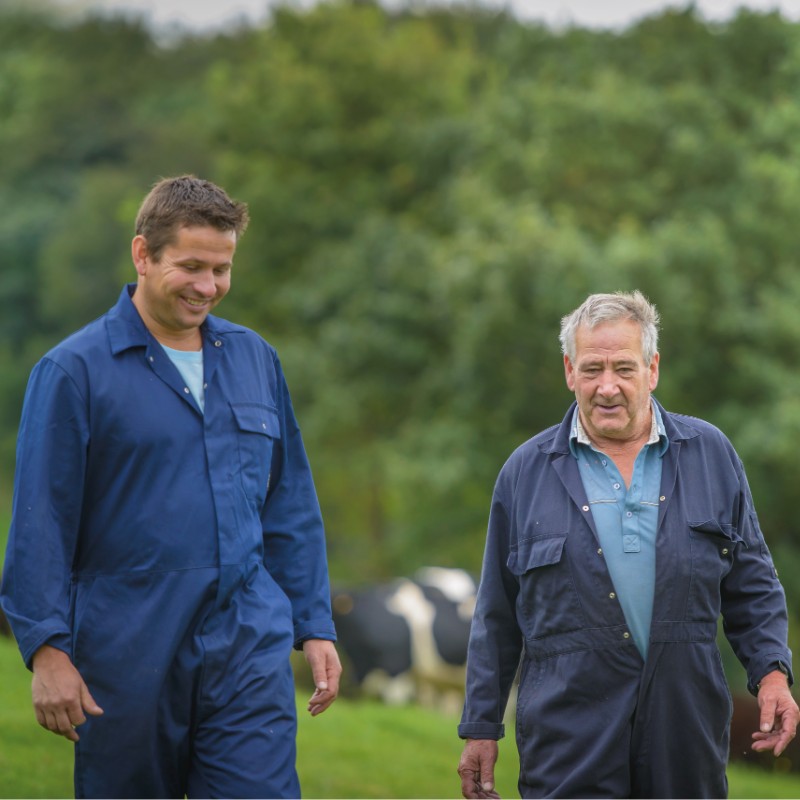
(593, 718)
(176, 557)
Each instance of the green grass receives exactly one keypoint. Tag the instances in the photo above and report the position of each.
(354, 750)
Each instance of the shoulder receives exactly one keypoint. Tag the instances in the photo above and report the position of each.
(87, 345)
(700, 438)
(528, 459)
(239, 336)
(684, 426)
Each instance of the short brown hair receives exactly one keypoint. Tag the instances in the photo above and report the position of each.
(182, 202)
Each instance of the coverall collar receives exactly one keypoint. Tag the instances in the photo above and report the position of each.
(677, 428)
(126, 328)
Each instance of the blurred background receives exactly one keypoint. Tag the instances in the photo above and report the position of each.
(431, 188)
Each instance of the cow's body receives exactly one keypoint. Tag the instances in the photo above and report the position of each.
(407, 640)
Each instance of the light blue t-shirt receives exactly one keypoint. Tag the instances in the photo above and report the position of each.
(626, 519)
(190, 365)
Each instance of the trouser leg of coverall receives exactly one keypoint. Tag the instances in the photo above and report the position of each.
(247, 748)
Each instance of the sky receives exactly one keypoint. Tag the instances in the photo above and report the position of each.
(206, 14)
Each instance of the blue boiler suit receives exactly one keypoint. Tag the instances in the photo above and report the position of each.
(175, 556)
(593, 718)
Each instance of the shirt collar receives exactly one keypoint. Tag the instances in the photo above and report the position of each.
(658, 434)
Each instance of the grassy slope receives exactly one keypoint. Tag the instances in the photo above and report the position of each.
(357, 750)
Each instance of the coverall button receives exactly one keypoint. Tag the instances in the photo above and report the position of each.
(612, 595)
(586, 508)
(264, 425)
(626, 635)
(662, 498)
(186, 389)
(218, 343)
(616, 486)
(599, 551)
(151, 359)
(724, 551)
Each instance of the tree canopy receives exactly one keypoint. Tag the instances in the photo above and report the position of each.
(430, 192)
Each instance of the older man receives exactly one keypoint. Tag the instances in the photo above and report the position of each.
(616, 540)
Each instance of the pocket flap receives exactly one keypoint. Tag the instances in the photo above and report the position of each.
(717, 528)
(257, 418)
(539, 552)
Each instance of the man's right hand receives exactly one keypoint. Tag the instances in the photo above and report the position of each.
(476, 768)
(60, 696)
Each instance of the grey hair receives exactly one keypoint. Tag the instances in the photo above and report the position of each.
(599, 308)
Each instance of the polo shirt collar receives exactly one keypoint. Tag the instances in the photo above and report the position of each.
(658, 434)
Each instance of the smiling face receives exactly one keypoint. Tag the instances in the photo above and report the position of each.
(175, 294)
(612, 382)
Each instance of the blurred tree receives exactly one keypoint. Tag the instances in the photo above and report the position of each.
(430, 192)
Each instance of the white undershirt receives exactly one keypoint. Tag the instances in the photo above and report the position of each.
(190, 365)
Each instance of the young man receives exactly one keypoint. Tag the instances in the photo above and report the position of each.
(166, 549)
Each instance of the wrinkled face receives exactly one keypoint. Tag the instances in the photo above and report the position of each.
(611, 381)
(175, 294)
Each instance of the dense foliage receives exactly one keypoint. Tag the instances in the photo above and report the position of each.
(430, 193)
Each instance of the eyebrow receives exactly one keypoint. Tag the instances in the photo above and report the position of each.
(201, 262)
(599, 362)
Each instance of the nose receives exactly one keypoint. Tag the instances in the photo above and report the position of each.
(607, 386)
(205, 285)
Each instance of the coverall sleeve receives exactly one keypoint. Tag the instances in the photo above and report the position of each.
(294, 538)
(753, 602)
(48, 495)
(495, 641)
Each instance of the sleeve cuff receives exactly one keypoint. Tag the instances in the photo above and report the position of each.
(315, 629)
(764, 667)
(481, 730)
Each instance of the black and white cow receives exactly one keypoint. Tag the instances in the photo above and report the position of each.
(407, 639)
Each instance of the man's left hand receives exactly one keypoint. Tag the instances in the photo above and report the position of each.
(779, 714)
(326, 669)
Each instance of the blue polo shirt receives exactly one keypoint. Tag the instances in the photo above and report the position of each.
(626, 519)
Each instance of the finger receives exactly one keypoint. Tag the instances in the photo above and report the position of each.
(333, 680)
(320, 701)
(319, 673)
(767, 717)
(89, 704)
(470, 787)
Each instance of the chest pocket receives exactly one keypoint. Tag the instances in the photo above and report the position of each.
(713, 547)
(548, 601)
(258, 432)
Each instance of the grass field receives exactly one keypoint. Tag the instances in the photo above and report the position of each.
(355, 750)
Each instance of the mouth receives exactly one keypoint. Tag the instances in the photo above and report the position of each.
(198, 304)
(608, 409)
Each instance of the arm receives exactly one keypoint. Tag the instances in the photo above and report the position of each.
(756, 624)
(753, 602)
(495, 640)
(294, 538)
(60, 697)
(48, 498)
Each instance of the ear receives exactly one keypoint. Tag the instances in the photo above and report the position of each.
(654, 372)
(139, 254)
(569, 373)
